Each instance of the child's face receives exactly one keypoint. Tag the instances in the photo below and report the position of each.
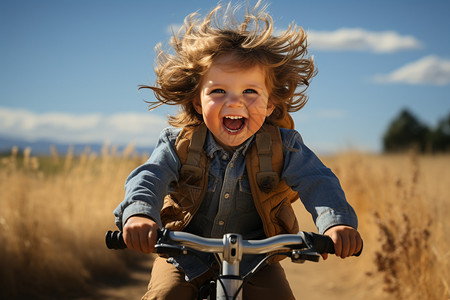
(234, 102)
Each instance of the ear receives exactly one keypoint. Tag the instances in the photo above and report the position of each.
(270, 108)
(197, 105)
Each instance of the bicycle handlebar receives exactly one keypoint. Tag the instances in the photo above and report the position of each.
(303, 240)
(299, 247)
(114, 240)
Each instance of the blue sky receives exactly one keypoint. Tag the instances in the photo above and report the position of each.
(69, 70)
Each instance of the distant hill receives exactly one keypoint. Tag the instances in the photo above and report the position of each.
(42, 147)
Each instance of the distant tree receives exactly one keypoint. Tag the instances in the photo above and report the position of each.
(406, 132)
(440, 137)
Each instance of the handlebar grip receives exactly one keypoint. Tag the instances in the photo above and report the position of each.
(114, 240)
(324, 243)
(321, 243)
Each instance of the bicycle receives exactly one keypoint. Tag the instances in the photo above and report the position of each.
(301, 247)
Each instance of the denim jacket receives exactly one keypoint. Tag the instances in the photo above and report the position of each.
(318, 188)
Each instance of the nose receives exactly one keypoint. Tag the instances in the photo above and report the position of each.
(234, 100)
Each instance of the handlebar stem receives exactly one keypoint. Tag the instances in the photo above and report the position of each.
(232, 248)
(232, 255)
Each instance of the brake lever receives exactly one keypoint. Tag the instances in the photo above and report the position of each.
(168, 250)
(300, 256)
(165, 248)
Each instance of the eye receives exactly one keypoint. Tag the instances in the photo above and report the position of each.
(217, 91)
(250, 91)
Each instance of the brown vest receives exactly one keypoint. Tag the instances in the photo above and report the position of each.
(272, 197)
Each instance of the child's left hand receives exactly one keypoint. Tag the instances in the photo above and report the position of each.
(347, 241)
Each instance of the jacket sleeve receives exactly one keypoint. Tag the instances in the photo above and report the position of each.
(147, 185)
(319, 189)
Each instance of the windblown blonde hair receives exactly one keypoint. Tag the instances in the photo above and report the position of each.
(200, 42)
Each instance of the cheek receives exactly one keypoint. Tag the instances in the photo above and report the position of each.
(256, 120)
(210, 113)
(260, 108)
(213, 107)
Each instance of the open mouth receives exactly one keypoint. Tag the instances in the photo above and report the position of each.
(234, 124)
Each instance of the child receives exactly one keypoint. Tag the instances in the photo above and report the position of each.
(228, 154)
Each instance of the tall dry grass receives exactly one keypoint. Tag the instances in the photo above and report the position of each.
(403, 203)
(54, 212)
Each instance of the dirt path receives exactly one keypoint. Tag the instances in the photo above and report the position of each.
(335, 278)
(134, 289)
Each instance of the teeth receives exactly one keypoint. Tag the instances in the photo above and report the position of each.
(233, 117)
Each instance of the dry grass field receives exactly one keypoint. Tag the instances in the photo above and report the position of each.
(403, 203)
(55, 210)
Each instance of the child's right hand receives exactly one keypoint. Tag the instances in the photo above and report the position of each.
(140, 233)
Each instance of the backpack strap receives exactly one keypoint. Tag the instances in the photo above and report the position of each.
(191, 167)
(266, 178)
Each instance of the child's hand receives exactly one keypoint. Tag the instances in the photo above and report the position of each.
(347, 241)
(139, 233)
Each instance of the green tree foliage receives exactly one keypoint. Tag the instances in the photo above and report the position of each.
(440, 137)
(408, 132)
(404, 133)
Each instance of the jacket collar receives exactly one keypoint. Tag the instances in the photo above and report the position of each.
(211, 146)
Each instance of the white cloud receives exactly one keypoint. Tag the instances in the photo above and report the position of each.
(428, 70)
(117, 129)
(358, 39)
